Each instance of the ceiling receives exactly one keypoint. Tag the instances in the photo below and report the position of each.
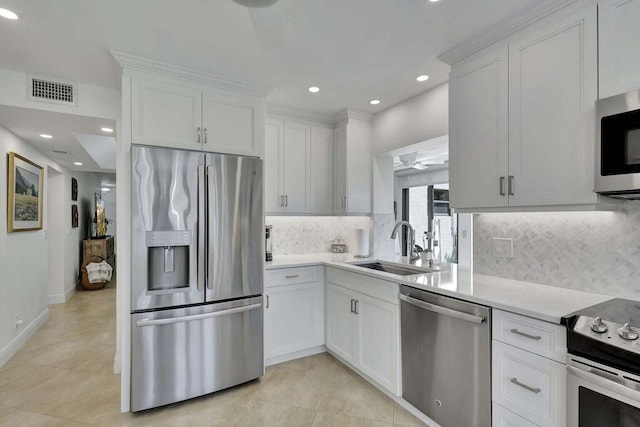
(354, 50)
(75, 138)
(430, 155)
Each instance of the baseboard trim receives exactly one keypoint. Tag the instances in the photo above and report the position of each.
(63, 298)
(295, 355)
(398, 399)
(19, 340)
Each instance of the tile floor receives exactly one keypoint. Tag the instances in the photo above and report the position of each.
(64, 377)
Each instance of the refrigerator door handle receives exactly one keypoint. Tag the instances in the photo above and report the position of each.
(201, 228)
(210, 187)
(146, 322)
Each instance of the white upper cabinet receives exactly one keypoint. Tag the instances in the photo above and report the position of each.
(231, 124)
(553, 80)
(340, 169)
(298, 168)
(321, 170)
(479, 127)
(523, 119)
(353, 160)
(619, 36)
(180, 115)
(165, 115)
(273, 141)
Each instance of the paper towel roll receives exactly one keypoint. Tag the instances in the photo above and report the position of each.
(362, 243)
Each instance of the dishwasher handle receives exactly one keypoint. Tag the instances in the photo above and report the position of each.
(443, 310)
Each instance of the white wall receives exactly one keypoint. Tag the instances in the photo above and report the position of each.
(417, 119)
(93, 101)
(27, 284)
(23, 260)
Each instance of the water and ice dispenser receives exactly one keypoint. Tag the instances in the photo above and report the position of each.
(168, 259)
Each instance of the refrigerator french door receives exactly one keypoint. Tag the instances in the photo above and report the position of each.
(196, 276)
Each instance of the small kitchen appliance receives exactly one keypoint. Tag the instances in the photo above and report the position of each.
(268, 243)
(603, 372)
(618, 148)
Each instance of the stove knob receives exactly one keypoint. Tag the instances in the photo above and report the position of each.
(597, 325)
(628, 333)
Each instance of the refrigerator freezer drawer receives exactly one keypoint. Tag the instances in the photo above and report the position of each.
(188, 352)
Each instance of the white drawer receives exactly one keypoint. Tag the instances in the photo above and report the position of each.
(501, 417)
(290, 276)
(365, 284)
(536, 336)
(529, 385)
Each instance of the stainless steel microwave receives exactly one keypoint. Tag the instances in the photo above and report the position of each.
(618, 150)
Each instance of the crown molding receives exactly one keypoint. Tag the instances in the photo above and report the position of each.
(150, 66)
(346, 114)
(503, 30)
(291, 113)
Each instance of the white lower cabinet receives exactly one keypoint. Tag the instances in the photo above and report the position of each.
(527, 385)
(504, 418)
(341, 324)
(294, 312)
(364, 331)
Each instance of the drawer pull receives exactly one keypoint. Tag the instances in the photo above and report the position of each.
(292, 276)
(524, 334)
(531, 389)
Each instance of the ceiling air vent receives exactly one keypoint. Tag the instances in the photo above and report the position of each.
(60, 152)
(47, 90)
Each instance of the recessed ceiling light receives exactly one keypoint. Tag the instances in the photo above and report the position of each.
(313, 89)
(45, 136)
(434, 1)
(422, 78)
(105, 189)
(374, 102)
(107, 130)
(6, 13)
(77, 163)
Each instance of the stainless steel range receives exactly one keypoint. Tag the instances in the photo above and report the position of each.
(603, 381)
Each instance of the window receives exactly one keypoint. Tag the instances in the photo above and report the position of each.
(427, 209)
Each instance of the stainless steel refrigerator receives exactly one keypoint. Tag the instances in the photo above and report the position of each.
(196, 274)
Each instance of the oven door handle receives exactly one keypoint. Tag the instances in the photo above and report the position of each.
(607, 381)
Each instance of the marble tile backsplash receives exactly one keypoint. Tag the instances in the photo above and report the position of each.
(590, 251)
(313, 234)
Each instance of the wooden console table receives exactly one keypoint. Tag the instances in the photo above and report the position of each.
(99, 247)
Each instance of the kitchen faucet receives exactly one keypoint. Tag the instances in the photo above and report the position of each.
(411, 240)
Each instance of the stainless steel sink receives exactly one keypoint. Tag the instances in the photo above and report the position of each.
(393, 268)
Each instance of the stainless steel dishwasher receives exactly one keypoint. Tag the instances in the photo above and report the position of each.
(446, 358)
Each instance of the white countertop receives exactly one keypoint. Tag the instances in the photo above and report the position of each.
(548, 303)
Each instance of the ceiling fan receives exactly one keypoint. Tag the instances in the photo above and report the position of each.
(409, 161)
(268, 19)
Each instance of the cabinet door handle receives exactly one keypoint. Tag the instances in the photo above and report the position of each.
(344, 201)
(199, 134)
(352, 303)
(355, 307)
(511, 180)
(502, 193)
(526, 335)
(286, 200)
(282, 200)
(292, 276)
(206, 136)
(535, 390)
(267, 301)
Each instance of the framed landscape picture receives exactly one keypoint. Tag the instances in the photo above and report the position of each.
(24, 194)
